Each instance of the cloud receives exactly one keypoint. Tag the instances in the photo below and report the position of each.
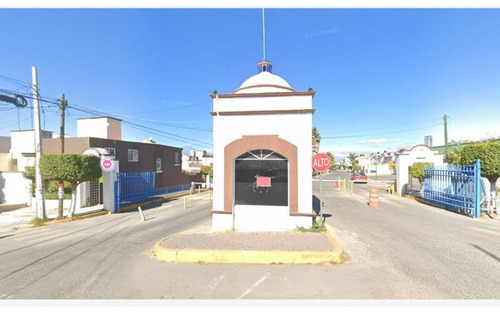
(377, 141)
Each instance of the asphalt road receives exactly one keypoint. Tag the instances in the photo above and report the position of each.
(402, 251)
(408, 250)
(94, 258)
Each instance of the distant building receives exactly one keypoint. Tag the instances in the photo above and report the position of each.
(133, 157)
(196, 159)
(428, 141)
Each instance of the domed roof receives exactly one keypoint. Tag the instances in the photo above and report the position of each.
(264, 81)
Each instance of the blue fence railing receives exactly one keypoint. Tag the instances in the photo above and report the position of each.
(458, 188)
(172, 190)
(133, 188)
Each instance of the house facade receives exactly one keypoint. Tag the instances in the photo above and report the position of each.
(133, 157)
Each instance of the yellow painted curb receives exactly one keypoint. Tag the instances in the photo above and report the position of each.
(248, 256)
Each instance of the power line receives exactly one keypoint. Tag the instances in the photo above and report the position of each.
(144, 128)
(8, 126)
(387, 127)
(368, 135)
(102, 113)
(29, 96)
(165, 134)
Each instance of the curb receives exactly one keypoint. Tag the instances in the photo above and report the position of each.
(248, 256)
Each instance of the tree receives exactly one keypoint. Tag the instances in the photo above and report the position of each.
(72, 168)
(453, 157)
(354, 160)
(29, 173)
(417, 171)
(332, 160)
(207, 170)
(489, 154)
(316, 138)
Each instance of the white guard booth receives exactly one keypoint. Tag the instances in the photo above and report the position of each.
(262, 155)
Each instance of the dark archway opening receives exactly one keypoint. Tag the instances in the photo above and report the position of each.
(261, 178)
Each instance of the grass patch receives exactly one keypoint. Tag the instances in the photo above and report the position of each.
(37, 222)
(55, 196)
(316, 228)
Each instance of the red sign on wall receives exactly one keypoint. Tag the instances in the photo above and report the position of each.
(263, 181)
(321, 162)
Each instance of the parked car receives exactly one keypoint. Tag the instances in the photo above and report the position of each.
(359, 177)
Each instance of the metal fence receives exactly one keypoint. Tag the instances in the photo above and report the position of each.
(133, 188)
(458, 188)
(172, 190)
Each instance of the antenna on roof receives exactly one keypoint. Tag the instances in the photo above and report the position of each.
(263, 34)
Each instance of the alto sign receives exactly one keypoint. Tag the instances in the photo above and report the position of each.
(321, 162)
(107, 165)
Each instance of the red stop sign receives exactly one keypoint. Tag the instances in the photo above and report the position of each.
(321, 162)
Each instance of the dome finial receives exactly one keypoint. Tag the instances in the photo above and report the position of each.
(265, 66)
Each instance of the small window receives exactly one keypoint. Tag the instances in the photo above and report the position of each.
(133, 155)
(158, 165)
(176, 159)
(111, 151)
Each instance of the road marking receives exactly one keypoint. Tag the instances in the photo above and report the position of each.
(215, 282)
(260, 281)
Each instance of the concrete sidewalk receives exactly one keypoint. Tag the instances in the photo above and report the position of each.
(21, 217)
(287, 247)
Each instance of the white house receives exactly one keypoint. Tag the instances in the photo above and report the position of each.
(196, 160)
(262, 155)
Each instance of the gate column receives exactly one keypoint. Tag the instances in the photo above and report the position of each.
(110, 171)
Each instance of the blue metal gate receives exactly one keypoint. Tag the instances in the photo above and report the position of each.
(131, 188)
(458, 188)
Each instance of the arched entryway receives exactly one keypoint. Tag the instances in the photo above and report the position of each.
(260, 182)
(261, 178)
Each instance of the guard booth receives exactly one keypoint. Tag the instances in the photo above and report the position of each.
(262, 155)
(405, 159)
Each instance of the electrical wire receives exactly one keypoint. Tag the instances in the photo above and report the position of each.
(389, 127)
(380, 134)
(143, 128)
(124, 117)
(8, 126)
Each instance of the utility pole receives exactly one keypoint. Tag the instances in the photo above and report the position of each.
(40, 203)
(62, 108)
(445, 136)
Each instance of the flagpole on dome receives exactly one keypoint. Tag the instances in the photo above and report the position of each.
(263, 34)
(264, 65)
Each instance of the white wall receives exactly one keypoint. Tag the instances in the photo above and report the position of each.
(23, 147)
(381, 169)
(14, 188)
(418, 153)
(104, 127)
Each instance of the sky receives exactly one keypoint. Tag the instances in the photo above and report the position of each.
(384, 78)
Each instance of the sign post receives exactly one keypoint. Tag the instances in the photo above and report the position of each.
(321, 163)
